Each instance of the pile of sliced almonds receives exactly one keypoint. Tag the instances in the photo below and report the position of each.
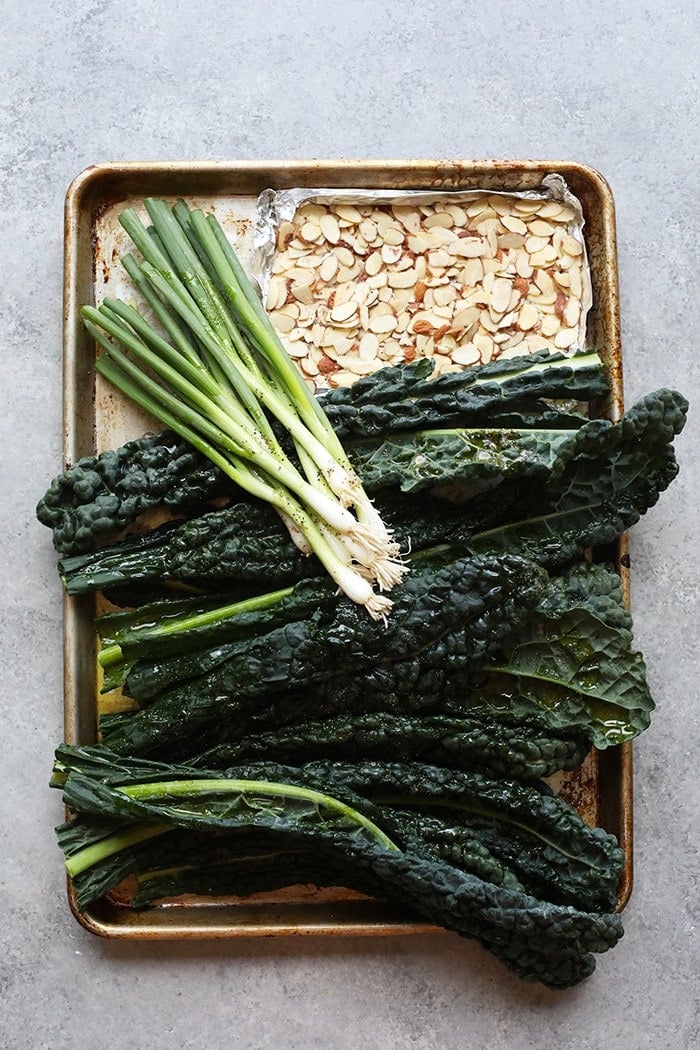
(356, 287)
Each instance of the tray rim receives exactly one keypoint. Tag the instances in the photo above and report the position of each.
(104, 920)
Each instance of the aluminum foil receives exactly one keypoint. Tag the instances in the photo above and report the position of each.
(277, 206)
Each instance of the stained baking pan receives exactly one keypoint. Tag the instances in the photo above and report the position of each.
(96, 418)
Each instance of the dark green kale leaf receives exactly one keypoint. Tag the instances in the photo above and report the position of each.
(101, 495)
(406, 398)
(466, 743)
(481, 599)
(425, 459)
(536, 938)
(571, 666)
(616, 472)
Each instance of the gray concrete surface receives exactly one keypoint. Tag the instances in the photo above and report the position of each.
(609, 84)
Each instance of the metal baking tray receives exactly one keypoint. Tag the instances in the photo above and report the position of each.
(96, 418)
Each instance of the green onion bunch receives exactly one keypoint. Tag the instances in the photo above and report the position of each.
(216, 373)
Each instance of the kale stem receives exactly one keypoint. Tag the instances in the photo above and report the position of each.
(170, 789)
(112, 654)
(99, 851)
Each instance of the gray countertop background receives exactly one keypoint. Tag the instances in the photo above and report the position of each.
(610, 85)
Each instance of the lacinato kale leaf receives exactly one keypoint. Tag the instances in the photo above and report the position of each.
(99, 496)
(616, 474)
(466, 743)
(572, 666)
(538, 939)
(426, 459)
(482, 599)
(583, 864)
(406, 398)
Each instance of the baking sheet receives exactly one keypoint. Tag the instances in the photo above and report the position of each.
(97, 418)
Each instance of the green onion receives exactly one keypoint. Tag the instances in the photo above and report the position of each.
(217, 374)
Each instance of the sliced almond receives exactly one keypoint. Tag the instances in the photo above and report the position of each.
(514, 224)
(523, 266)
(342, 313)
(551, 210)
(393, 236)
(535, 244)
(525, 206)
(343, 293)
(576, 282)
(513, 351)
(369, 345)
(345, 256)
(528, 316)
(329, 267)
(373, 264)
(468, 247)
(355, 365)
(347, 273)
(477, 206)
(296, 349)
(535, 342)
(544, 282)
(404, 263)
(440, 218)
(445, 294)
(310, 232)
(402, 279)
(276, 293)
(391, 253)
(438, 259)
(540, 259)
(282, 322)
(468, 354)
(407, 215)
(458, 214)
(540, 228)
(302, 293)
(465, 317)
(571, 246)
(488, 322)
(309, 262)
(565, 338)
(500, 294)
(284, 235)
(510, 240)
(472, 272)
(341, 378)
(347, 212)
(401, 298)
(385, 323)
(484, 343)
(330, 228)
(550, 325)
(513, 339)
(419, 243)
(572, 312)
(501, 205)
(368, 230)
